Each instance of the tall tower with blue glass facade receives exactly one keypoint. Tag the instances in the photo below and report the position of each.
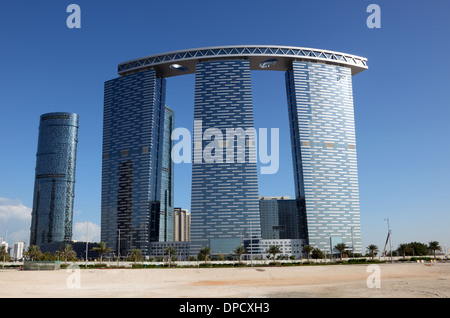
(166, 218)
(133, 125)
(322, 125)
(54, 185)
(224, 198)
(224, 202)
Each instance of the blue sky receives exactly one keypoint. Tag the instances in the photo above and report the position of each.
(401, 103)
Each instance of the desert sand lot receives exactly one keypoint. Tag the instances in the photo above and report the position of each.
(412, 280)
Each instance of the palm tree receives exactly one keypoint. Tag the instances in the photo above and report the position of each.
(373, 250)
(274, 250)
(3, 253)
(66, 251)
(308, 249)
(101, 249)
(402, 249)
(434, 246)
(341, 248)
(204, 253)
(239, 251)
(136, 254)
(317, 253)
(33, 251)
(171, 251)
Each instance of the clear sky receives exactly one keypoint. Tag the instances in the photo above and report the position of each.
(401, 102)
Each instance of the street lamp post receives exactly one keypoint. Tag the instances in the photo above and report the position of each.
(118, 249)
(353, 244)
(87, 244)
(251, 244)
(389, 235)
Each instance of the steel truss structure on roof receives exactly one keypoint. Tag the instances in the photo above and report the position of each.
(280, 57)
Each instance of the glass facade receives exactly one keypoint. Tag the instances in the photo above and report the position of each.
(166, 198)
(268, 212)
(288, 219)
(279, 218)
(322, 125)
(134, 163)
(52, 212)
(224, 199)
(137, 176)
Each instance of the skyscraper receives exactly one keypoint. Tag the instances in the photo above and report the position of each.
(279, 218)
(135, 163)
(268, 211)
(181, 225)
(167, 179)
(224, 202)
(54, 185)
(324, 153)
(224, 199)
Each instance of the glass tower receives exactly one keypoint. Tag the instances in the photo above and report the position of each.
(322, 128)
(133, 162)
(54, 185)
(278, 218)
(137, 177)
(224, 199)
(167, 184)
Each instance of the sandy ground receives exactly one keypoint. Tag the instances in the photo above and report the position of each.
(412, 280)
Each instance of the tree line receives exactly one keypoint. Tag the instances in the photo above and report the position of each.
(67, 253)
(410, 249)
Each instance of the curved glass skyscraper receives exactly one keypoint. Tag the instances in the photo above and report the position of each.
(54, 179)
(224, 199)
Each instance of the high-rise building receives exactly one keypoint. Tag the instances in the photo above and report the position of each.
(181, 225)
(322, 124)
(279, 217)
(18, 249)
(268, 212)
(224, 197)
(224, 202)
(166, 218)
(137, 175)
(54, 185)
(288, 219)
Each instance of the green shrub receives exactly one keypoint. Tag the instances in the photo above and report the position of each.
(289, 264)
(98, 265)
(306, 263)
(357, 261)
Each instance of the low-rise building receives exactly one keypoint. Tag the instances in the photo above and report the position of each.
(158, 249)
(288, 247)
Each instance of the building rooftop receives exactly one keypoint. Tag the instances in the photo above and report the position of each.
(261, 57)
